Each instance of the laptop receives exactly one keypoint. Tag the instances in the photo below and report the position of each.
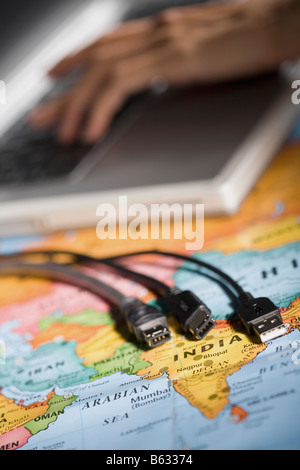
(198, 144)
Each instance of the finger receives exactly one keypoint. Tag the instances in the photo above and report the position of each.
(128, 29)
(129, 46)
(207, 12)
(73, 113)
(66, 65)
(110, 100)
(48, 113)
(130, 38)
(132, 55)
(138, 37)
(113, 40)
(132, 77)
(69, 117)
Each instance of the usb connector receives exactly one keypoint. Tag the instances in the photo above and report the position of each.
(193, 315)
(270, 327)
(262, 317)
(156, 335)
(146, 322)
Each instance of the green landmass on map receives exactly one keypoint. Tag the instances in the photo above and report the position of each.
(126, 359)
(57, 405)
(88, 317)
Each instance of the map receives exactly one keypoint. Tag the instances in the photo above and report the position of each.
(71, 377)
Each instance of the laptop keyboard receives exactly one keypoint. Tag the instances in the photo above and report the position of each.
(28, 155)
(36, 157)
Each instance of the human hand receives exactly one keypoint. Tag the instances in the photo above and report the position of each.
(199, 44)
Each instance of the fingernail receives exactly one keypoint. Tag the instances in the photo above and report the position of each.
(65, 137)
(93, 134)
(89, 136)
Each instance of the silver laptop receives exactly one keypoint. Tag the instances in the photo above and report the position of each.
(200, 144)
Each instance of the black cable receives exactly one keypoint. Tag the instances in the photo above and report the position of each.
(193, 315)
(238, 289)
(153, 284)
(156, 284)
(66, 275)
(259, 315)
(145, 321)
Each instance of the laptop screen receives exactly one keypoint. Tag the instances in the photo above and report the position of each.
(22, 21)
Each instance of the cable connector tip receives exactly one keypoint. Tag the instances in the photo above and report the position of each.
(191, 312)
(156, 335)
(146, 322)
(262, 317)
